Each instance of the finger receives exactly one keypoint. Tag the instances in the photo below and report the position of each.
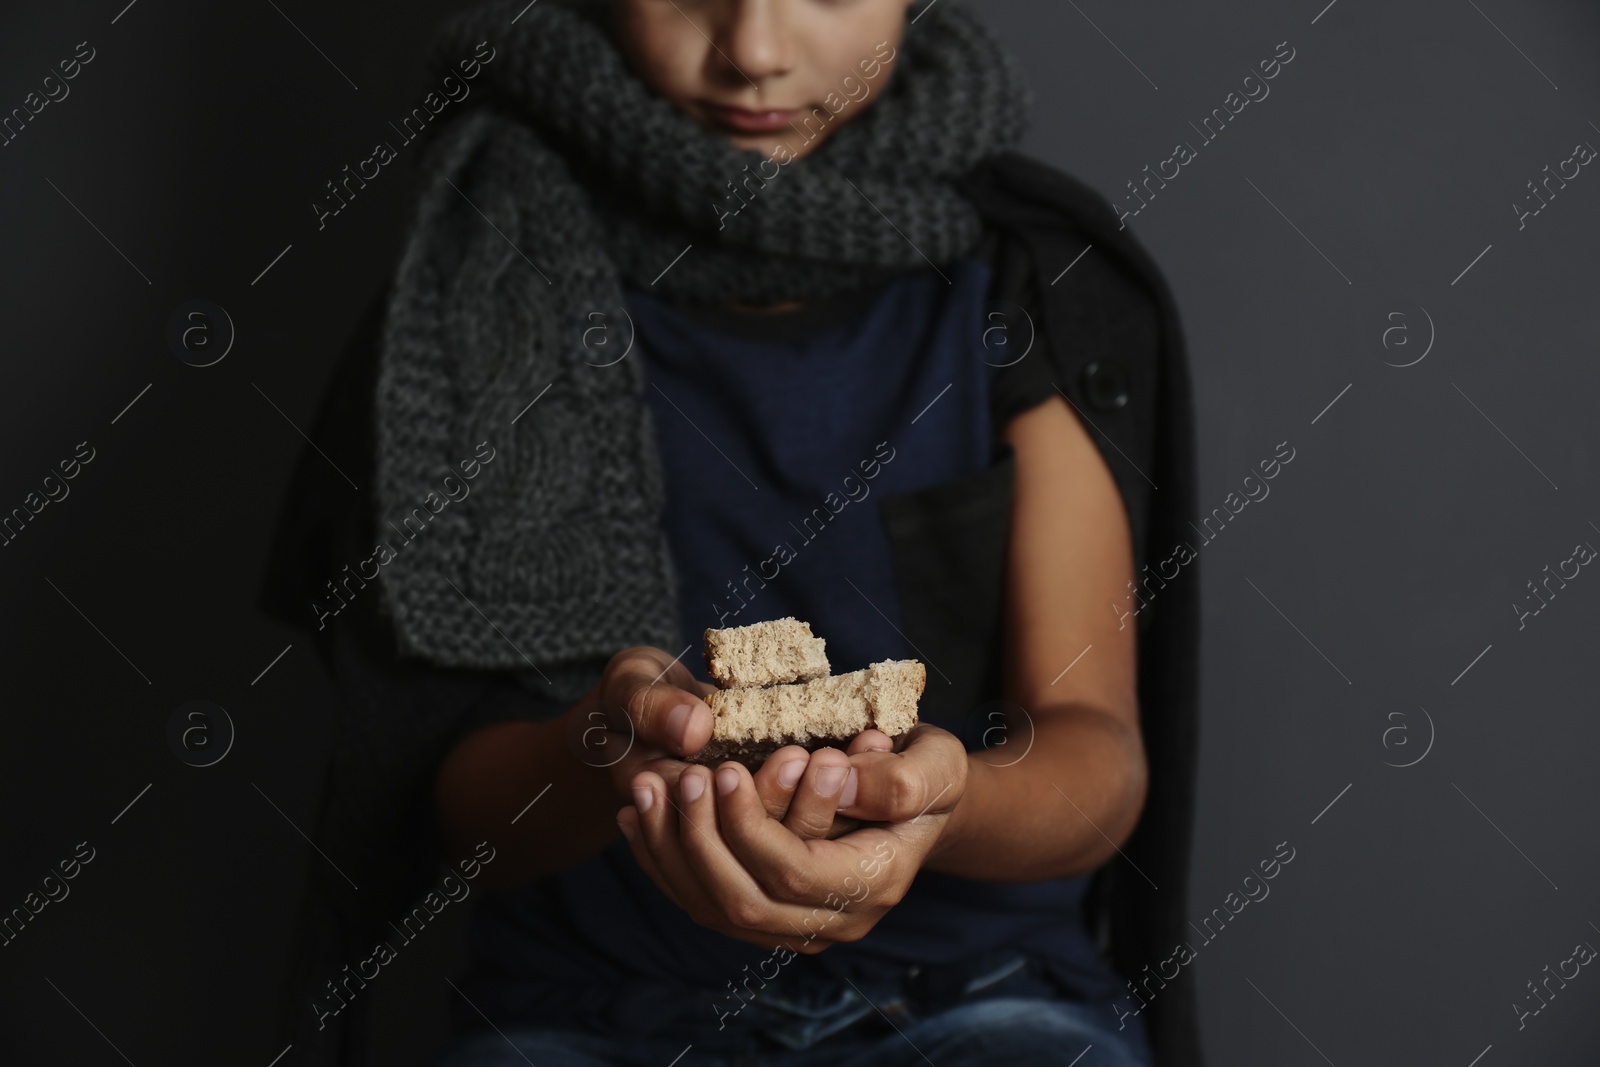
(687, 877)
(729, 886)
(870, 741)
(664, 667)
(900, 786)
(884, 784)
(823, 878)
(740, 807)
(863, 744)
(775, 781)
(640, 760)
(750, 912)
(628, 821)
(752, 835)
(668, 768)
(843, 825)
(664, 715)
(740, 799)
(816, 798)
(658, 836)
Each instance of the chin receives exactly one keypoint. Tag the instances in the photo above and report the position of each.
(765, 144)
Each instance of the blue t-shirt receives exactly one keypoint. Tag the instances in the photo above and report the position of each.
(778, 434)
(774, 450)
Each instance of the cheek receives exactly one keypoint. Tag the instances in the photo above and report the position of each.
(664, 49)
(856, 32)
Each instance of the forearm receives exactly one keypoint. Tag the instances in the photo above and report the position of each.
(1057, 812)
(489, 779)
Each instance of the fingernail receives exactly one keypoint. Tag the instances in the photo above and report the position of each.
(790, 772)
(727, 780)
(643, 798)
(625, 826)
(692, 786)
(829, 779)
(678, 721)
(848, 797)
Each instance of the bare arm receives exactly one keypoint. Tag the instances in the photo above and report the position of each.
(492, 774)
(1063, 808)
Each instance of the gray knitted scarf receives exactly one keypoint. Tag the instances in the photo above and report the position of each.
(566, 178)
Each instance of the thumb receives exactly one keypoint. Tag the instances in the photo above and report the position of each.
(897, 787)
(663, 715)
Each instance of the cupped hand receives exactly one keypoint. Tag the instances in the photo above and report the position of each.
(713, 846)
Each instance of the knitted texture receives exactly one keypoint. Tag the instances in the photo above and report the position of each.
(567, 178)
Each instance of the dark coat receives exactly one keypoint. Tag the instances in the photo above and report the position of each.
(1110, 329)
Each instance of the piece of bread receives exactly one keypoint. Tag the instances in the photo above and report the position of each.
(775, 652)
(751, 723)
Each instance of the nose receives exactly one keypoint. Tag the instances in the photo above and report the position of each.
(752, 37)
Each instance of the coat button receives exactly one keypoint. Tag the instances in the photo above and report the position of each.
(1105, 385)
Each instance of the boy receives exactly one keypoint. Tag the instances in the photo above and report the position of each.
(818, 300)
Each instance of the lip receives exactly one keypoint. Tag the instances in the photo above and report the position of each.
(744, 120)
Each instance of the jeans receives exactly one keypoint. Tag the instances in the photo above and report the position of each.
(1010, 1015)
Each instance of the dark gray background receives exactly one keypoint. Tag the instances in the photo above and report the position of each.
(1385, 559)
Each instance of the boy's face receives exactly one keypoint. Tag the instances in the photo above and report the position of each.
(756, 70)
